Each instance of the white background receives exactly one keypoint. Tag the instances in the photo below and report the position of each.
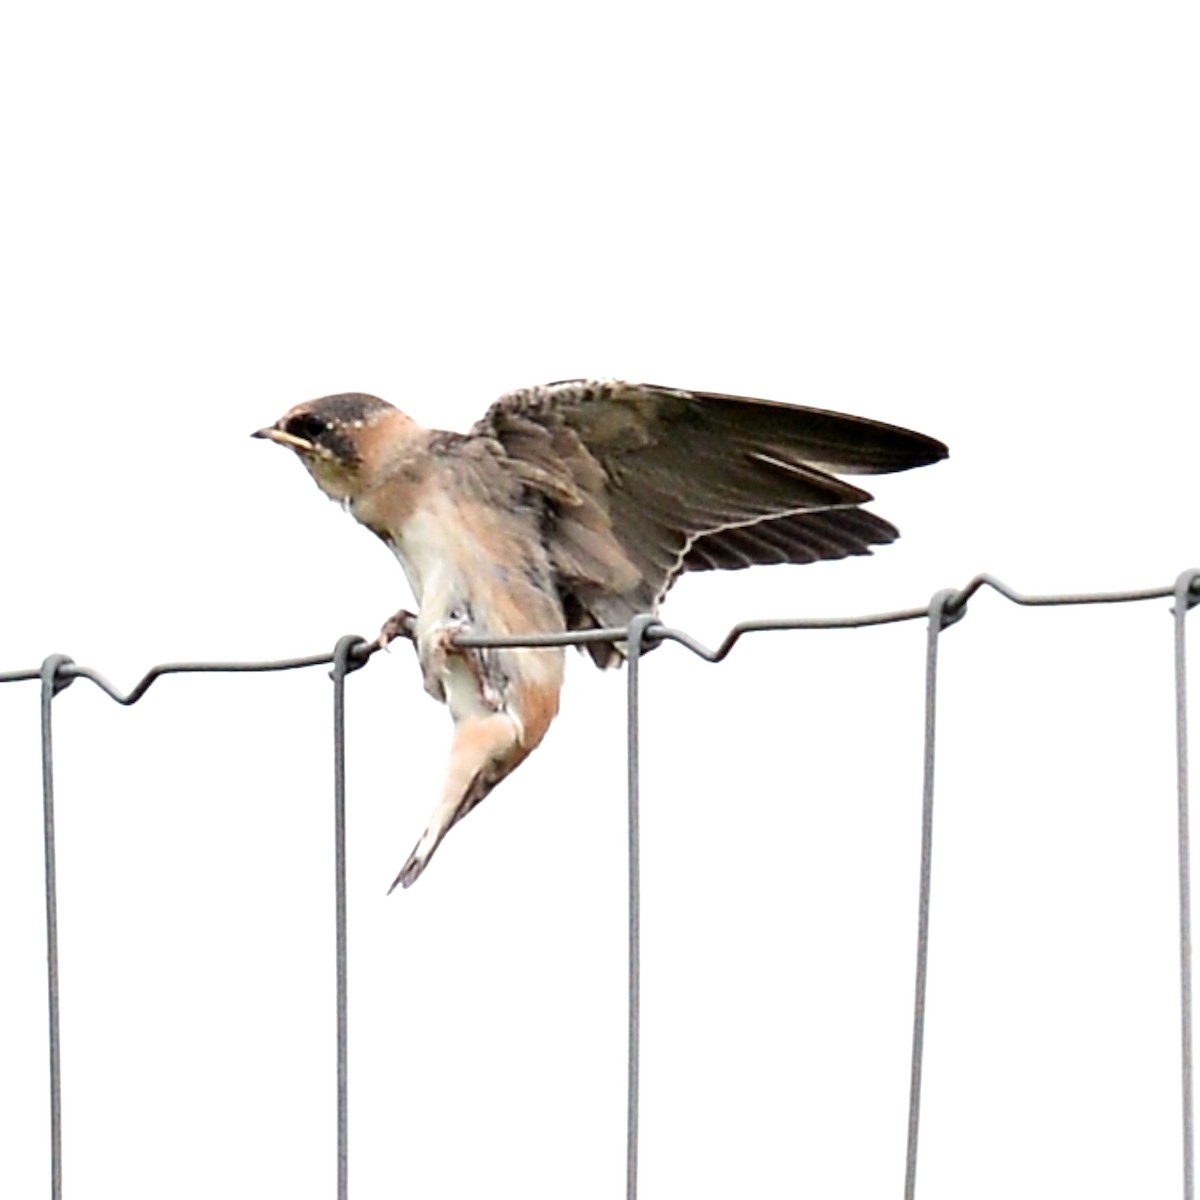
(977, 220)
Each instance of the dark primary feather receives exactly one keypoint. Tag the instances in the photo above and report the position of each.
(642, 482)
(799, 538)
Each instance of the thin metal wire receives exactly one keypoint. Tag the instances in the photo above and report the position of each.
(612, 634)
(937, 622)
(1127, 596)
(52, 683)
(343, 664)
(143, 685)
(639, 628)
(641, 635)
(953, 610)
(1185, 597)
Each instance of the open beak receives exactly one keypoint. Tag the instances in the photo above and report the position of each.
(272, 434)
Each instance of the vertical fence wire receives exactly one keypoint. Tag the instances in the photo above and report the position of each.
(637, 633)
(1183, 601)
(51, 685)
(342, 665)
(937, 622)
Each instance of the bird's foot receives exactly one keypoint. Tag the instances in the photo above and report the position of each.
(443, 637)
(435, 648)
(401, 624)
(443, 642)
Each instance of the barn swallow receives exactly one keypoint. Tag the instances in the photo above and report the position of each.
(572, 506)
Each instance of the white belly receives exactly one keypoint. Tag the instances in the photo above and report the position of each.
(452, 578)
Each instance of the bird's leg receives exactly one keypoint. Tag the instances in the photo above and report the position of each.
(485, 750)
(400, 624)
(434, 647)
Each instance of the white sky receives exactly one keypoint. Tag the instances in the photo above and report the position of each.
(980, 221)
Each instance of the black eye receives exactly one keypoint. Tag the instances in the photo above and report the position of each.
(307, 426)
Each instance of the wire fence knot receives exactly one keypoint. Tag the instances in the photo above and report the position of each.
(54, 674)
(646, 630)
(1187, 589)
(948, 607)
(351, 653)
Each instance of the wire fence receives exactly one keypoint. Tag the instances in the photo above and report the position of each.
(351, 653)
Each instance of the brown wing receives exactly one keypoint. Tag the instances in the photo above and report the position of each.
(643, 482)
(800, 538)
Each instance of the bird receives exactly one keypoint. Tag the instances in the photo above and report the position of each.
(572, 506)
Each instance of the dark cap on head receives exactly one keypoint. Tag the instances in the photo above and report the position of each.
(327, 425)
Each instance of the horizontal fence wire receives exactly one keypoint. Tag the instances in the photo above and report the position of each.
(946, 608)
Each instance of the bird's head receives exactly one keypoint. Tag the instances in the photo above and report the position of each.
(338, 438)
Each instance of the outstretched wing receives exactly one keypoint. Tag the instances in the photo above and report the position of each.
(642, 482)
